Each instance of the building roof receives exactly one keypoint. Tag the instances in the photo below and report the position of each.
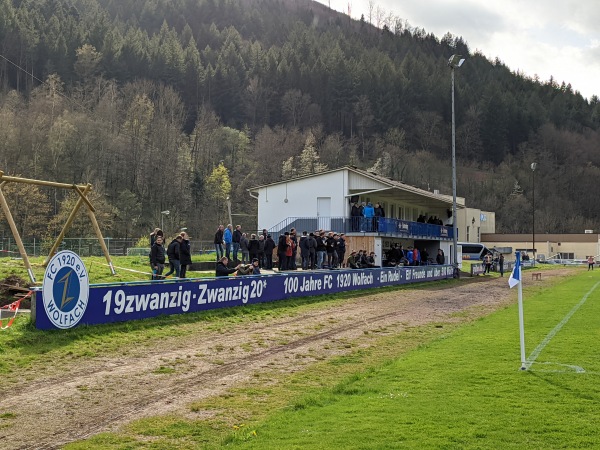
(387, 188)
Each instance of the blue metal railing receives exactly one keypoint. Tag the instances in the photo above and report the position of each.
(377, 225)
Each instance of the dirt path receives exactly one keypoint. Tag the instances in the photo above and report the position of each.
(100, 394)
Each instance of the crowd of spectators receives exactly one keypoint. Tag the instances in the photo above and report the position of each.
(316, 250)
(178, 251)
(412, 256)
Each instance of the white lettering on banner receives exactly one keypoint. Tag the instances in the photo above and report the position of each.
(343, 280)
(231, 293)
(310, 284)
(362, 279)
(391, 276)
(121, 303)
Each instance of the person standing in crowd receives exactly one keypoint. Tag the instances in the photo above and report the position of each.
(244, 248)
(379, 213)
(330, 248)
(416, 257)
(355, 217)
(228, 238)
(222, 270)
(321, 249)
(368, 214)
(424, 257)
(501, 264)
(235, 241)
(289, 252)
(312, 251)
(304, 250)
(341, 250)
(219, 242)
(173, 255)
(269, 247)
(185, 254)
(294, 238)
(487, 261)
(261, 250)
(157, 258)
(282, 249)
(440, 258)
(410, 256)
(253, 247)
(157, 232)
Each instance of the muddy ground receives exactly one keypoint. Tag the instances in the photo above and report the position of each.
(102, 393)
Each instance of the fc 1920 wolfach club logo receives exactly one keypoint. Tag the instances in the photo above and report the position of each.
(65, 289)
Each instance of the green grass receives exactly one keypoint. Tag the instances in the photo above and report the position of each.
(464, 390)
(442, 385)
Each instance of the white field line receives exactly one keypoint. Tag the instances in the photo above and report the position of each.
(531, 359)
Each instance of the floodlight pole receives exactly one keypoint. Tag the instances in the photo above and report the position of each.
(454, 62)
(533, 167)
(162, 217)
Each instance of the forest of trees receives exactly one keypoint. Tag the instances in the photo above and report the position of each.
(181, 104)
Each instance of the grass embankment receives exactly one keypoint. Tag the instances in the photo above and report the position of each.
(437, 386)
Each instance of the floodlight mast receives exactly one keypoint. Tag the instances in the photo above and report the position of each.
(454, 62)
(533, 167)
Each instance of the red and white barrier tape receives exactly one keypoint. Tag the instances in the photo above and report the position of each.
(13, 307)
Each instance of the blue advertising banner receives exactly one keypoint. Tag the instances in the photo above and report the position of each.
(132, 301)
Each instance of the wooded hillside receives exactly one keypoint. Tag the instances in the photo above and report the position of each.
(159, 103)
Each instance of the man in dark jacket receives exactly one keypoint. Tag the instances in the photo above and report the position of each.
(331, 249)
(157, 258)
(304, 250)
(185, 254)
(173, 254)
(261, 251)
(222, 270)
(321, 249)
(312, 251)
(341, 250)
(219, 242)
(253, 247)
(235, 241)
(281, 250)
(355, 215)
(269, 247)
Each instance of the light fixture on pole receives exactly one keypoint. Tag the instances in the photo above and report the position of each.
(533, 167)
(454, 62)
(162, 222)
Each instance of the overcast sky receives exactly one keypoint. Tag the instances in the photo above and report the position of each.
(537, 37)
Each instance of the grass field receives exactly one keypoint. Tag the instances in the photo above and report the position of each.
(465, 390)
(451, 386)
(456, 387)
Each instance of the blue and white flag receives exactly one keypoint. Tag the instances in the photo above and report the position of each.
(515, 276)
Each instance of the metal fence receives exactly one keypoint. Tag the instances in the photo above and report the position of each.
(89, 247)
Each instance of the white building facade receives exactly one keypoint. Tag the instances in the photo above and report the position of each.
(324, 201)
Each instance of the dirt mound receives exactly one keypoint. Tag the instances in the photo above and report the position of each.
(12, 288)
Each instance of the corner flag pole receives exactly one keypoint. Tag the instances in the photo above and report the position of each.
(515, 278)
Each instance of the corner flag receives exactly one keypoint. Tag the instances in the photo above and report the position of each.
(515, 276)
